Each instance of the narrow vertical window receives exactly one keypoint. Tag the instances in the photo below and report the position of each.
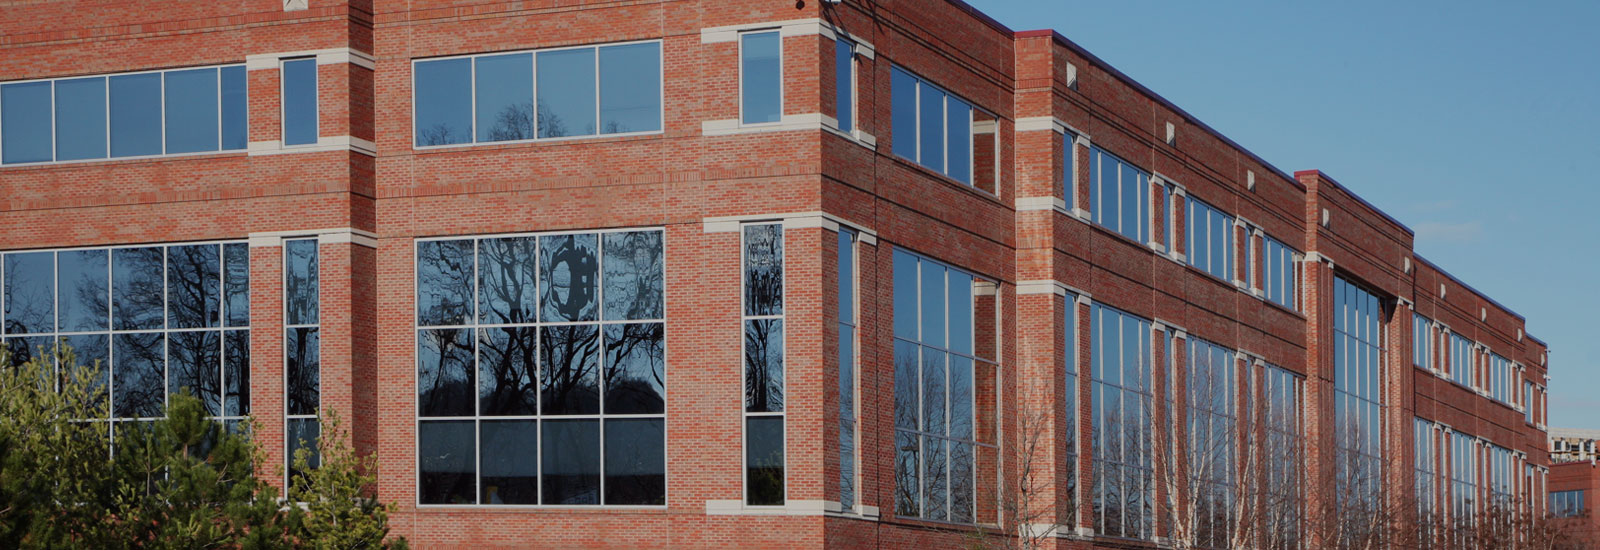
(847, 369)
(1212, 436)
(763, 365)
(1359, 317)
(299, 102)
(1279, 272)
(1069, 399)
(1120, 409)
(903, 104)
(1069, 170)
(760, 77)
(844, 74)
(1425, 451)
(302, 350)
(1283, 452)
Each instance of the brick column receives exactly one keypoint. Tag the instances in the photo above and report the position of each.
(1319, 422)
(266, 353)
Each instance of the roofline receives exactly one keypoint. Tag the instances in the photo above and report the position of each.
(1347, 191)
(1476, 291)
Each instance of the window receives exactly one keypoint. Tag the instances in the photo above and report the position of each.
(1567, 504)
(764, 388)
(844, 74)
(1167, 225)
(1069, 169)
(938, 361)
(1210, 240)
(1284, 450)
(847, 368)
(1461, 361)
(126, 115)
(760, 77)
(1069, 422)
(1527, 401)
(1212, 436)
(1423, 341)
(1357, 362)
(300, 102)
(1426, 452)
(1463, 478)
(1118, 195)
(1500, 374)
(548, 94)
(158, 319)
(541, 369)
(1121, 416)
(942, 132)
(1280, 272)
(302, 348)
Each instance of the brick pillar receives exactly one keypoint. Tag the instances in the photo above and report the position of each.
(266, 353)
(1085, 465)
(1319, 422)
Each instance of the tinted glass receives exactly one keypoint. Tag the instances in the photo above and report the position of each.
(959, 118)
(92, 351)
(847, 277)
(84, 277)
(504, 97)
(136, 287)
(903, 100)
(960, 305)
(507, 288)
(194, 286)
(930, 114)
(235, 108)
(763, 365)
(566, 93)
(630, 88)
(635, 369)
(507, 371)
(933, 390)
(571, 379)
(905, 295)
(444, 282)
(139, 379)
(300, 102)
(510, 471)
(25, 111)
(933, 304)
(636, 462)
(760, 77)
(301, 288)
(764, 463)
(80, 119)
(302, 434)
(135, 114)
(569, 268)
(191, 110)
(935, 479)
(763, 269)
(194, 363)
(907, 481)
(302, 350)
(634, 276)
(447, 459)
(443, 102)
(236, 373)
(236, 283)
(844, 85)
(571, 462)
(444, 372)
(30, 289)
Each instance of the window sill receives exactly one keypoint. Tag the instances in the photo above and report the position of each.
(543, 508)
(914, 165)
(800, 508)
(123, 160)
(508, 144)
(788, 123)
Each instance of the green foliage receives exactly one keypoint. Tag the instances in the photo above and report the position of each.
(184, 481)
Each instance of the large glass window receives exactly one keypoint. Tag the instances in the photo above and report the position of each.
(1280, 272)
(1423, 341)
(936, 361)
(541, 369)
(1426, 490)
(302, 348)
(1122, 418)
(847, 368)
(126, 115)
(559, 93)
(1500, 378)
(760, 77)
(942, 132)
(1210, 240)
(1567, 504)
(1213, 434)
(764, 388)
(157, 320)
(1282, 455)
(1462, 355)
(1119, 196)
(1358, 407)
(1463, 479)
(300, 101)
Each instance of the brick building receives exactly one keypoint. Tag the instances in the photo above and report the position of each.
(738, 274)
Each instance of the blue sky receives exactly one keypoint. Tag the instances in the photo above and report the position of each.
(1469, 121)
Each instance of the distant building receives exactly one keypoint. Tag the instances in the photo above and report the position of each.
(1573, 445)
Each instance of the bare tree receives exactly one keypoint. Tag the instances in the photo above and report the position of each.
(1027, 518)
(1356, 516)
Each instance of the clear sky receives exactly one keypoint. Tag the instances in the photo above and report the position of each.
(1472, 122)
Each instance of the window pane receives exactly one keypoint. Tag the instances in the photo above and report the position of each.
(844, 85)
(303, 434)
(961, 397)
(303, 370)
(634, 275)
(571, 461)
(507, 371)
(91, 351)
(504, 98)
(191, 110)
(83, 276)
(905, 295)
(760, 77)
(630, 88)
(962, 482)
(931, 126)
(24, 350)
(139, 376)
(443, 102)
(635, 375)
(571, 359)
(236, 373)
(907, 368)
(933, 391)
(80, 119)
(763, 365)
(1128, 188)
(507, 291)
(510, 474)
(636, 462)
(961, 320)
(301, 288)
(444, 372)
(933, 304)
(136, 288)
(300, 102)
(236, 283)
(194, 286)
(25, 110)
(569, 266)
(904, 105)
(935, 479)
(447, 455)
(444, 282)
(908, 484)
(566, 93)
(195, 363)
(959, 118)
(764, 462)
(235, 108)
(135, 114)
(763, 269)
(30, 284)
(847, 277)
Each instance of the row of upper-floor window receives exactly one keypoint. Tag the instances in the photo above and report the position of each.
(1455, 357)
(1471, 474)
